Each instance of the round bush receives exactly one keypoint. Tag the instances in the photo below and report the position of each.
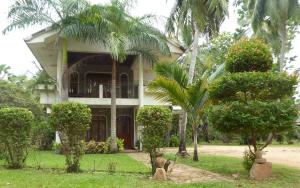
(15, 127)
(155, 121)
(248, 55)
(72, 120)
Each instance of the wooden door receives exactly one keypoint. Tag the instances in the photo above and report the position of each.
(97, 130)
(125, 131)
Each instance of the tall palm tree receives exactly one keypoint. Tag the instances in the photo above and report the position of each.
(172, 85)
(121, 34)
(273, 16)
(191, 18)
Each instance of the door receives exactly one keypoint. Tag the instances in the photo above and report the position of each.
(125, 131)
(97, 130)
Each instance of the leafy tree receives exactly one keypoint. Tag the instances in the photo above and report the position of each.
(15, 127)
(250, 100)
(72, 120)
(191, 19)
(171, 85)
(155, 121)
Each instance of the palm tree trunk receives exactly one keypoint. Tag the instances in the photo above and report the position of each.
(194, 55)
(195, 132)
(113, 135)
(283, 36)
(182, 130)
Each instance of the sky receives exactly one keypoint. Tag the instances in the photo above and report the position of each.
(16, 54)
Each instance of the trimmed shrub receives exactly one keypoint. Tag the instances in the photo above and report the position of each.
(248, 160)
(155, 121)
(15, 128)
(248, 55)
(255, 104)
(71, 120)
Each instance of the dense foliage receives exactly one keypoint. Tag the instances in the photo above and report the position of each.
(15, 127)
(253, 104)
(93, 147)
(43, 135)
(155, 121)
(248, 55)
(72, 120)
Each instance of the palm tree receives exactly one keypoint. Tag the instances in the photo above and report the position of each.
(191, 18)
(172, 85)
(274, 17)
(54, 13)
(112, 27)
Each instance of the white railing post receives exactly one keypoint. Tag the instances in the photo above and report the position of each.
(100, 91)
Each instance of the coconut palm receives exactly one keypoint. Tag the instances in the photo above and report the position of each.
(172, 85)
(273, 17)
(121, 34)
(190, 19)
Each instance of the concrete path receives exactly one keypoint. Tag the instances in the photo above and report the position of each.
(289, 156)
(181, 173)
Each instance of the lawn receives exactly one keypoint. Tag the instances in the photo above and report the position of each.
(46, 169)
(282, 176)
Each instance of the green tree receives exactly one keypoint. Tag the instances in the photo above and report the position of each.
(155, 121)
(15, 128)
(171, 85)
(251, 100)
(72, 120)
(191, 19)
(272, 18)
(111, 26)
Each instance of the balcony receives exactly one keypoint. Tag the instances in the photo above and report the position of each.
(104, 91)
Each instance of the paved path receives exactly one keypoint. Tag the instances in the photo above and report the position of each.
(289, 156)
(181, 173)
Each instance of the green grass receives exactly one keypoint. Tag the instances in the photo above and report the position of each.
(130, 173)
(282, 176)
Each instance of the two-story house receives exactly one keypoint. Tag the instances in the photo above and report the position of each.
(88, 81)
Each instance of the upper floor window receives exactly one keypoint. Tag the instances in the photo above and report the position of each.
(74, 84)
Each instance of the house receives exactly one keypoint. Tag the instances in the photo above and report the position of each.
(87, 80)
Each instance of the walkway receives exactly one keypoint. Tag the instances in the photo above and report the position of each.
(181, 173)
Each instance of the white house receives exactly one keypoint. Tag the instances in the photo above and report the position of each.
(88, 78)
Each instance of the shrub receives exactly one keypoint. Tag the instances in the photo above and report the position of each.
(174, 141)
(2, 151)
(248, 55)
(120, 145)
(71, 120)
(43, 136)
(111, 167)
(155, 121)
(93, 147)
(248, 160)
(15, 127)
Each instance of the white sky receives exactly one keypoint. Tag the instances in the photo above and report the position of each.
(17, 55)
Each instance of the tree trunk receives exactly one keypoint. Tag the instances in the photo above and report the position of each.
(182, 129)
(195, 132)
(283, 36)
(194, 55)
(113, 135)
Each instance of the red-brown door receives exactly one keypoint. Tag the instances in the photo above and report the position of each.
(125, 131)
(97, 130)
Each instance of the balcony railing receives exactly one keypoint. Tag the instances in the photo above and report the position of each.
(104, 91)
